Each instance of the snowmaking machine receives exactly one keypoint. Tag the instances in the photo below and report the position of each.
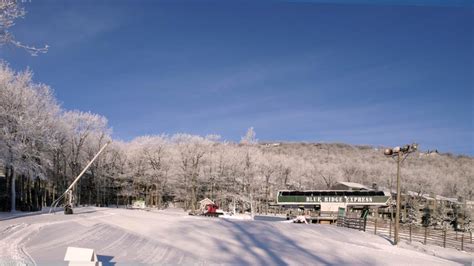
(68, 195)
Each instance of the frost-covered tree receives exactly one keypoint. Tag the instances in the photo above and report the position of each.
(149, 156)
(412, 208)
(267, 167)
(250, 137)
(86, 132)
(11, 11)
(44, 147)
(440, 217)
(28, 113)
(190, 153)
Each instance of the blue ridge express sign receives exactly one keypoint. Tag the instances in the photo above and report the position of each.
(346, 199)
(366, 197)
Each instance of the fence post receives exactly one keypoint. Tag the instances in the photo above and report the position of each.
(390, 230)
(444, 238)
(462, 241)
(375, 227)
(470, 234)
(410, 232)
(426, 234)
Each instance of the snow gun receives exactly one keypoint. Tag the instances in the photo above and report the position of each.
(68, 192)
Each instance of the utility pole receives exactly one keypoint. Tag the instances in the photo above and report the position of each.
(397, 217)
(401, 154)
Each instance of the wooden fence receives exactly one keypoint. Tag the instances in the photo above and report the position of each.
(350, 222)
(444, 238)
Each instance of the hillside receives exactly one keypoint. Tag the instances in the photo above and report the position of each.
(426, 172)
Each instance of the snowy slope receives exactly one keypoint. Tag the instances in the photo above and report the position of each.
(172, 237)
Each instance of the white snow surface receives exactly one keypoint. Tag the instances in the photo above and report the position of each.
(236, 216)
(171, 237)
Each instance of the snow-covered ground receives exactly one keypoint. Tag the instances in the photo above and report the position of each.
(134, 237)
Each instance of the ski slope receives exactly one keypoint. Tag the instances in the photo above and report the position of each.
(121, 236)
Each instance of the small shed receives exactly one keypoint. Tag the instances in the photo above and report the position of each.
(203, 203)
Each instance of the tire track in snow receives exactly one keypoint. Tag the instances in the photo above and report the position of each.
(12, 246)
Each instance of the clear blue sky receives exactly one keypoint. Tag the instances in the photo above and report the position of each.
(298, 71)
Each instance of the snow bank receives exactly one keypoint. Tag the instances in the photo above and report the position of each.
(462, 257)
(169, 237)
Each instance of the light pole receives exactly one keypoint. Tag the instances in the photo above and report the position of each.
(400, 153)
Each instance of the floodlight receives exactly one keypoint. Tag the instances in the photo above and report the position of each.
(388, 152)
(405, 148)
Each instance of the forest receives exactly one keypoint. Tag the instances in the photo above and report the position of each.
(44, 147)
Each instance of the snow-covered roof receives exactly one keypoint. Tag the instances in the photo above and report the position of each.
(206, 200)
(417, 194)
(425, 196)
(353, 185)
(453, 200)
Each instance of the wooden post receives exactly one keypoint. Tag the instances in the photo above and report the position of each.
(456, 235)
(462, 241)
(426, 234)
(470, 234)
(444, 238)
(410, 232)
(375, 227)
(390, 229)
(397, 215)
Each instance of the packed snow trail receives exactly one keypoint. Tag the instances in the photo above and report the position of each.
(172, 237)
(11, 247)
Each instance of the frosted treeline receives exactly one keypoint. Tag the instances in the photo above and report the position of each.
(43, 147)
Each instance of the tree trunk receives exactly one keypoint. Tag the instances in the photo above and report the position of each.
(29, 196)
(267, 181)
(252, 214)
(13, 189)
(193, 193)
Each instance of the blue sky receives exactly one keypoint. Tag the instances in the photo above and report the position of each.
(384, 74)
